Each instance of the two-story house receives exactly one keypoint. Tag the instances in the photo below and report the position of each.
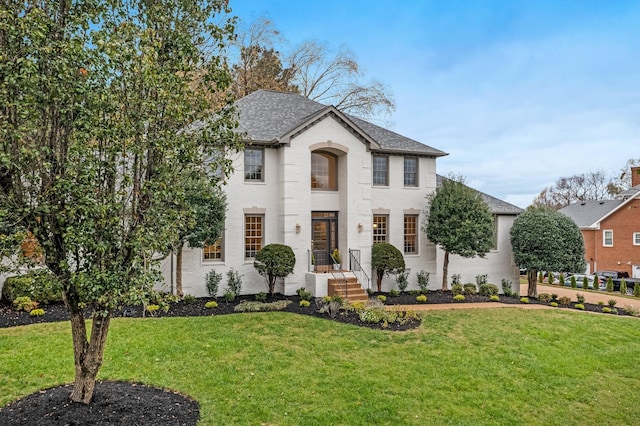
(611, 230)
(317, 179)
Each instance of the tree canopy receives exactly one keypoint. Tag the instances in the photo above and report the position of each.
(546, 240)
(386, 259)
(310, 69)
(274, 261)
(459, 221)
(97, 120)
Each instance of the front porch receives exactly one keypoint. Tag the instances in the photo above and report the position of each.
(325, 279)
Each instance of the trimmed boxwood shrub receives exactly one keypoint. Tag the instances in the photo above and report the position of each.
(488, 290)
(40, 286)
(469, 289)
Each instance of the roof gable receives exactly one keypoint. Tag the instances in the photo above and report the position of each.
(274, 117)
(496, 206)
(589, 214)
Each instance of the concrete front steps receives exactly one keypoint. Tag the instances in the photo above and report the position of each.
(346, 285)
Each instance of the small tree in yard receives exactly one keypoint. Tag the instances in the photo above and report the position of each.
(386, 259)
(543, 239)
(274, 261)
(459, 221)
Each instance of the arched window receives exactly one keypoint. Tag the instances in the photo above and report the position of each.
(324, 171)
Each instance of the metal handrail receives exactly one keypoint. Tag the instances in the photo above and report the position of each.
(356, 268)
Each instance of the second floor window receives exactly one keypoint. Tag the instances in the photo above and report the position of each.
(410, 171)
(380, 170)
(254, 165)
(324, 171)
(607, 238)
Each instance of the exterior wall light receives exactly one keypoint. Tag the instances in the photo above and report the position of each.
(360, 227)
(297, 228)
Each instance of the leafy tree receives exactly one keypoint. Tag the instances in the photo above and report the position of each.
(95, 100)
(274, 261)
(459, 221)
(544, 239)
(386, 259)
(204, 223)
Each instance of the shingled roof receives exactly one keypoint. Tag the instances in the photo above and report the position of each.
(266, 116)
(496, 206)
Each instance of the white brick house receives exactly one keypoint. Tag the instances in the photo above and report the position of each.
(315, 179)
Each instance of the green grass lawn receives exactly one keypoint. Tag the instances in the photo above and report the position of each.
(502, 366)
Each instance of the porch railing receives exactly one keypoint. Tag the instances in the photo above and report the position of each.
(356, 268)
(320, 261)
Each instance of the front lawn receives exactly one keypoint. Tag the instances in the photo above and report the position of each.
(496, 366)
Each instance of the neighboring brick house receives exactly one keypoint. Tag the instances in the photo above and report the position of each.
(316, 179)
(611, 230)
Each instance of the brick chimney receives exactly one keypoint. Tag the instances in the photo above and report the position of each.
(635, 176)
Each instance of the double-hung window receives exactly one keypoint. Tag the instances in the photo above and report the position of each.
(380, 228)
(381, 170)
(636, 238)
(410, 171)
(253, 165)
(213, 252)
(607, 238)
(410, 234)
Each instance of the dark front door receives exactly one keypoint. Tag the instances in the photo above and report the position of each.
(324, 231)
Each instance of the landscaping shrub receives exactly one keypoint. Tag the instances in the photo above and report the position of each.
(386, 259)
(579, 306)
(488, 290)
(229, 296)
(623, 286)
(609, 285)
(305, 303)
(469, 289)
(261, 297)
(574, 284)
(189, 299)
(554, 304)
(455, 279)
(24, 303)
(544, 297)
(506, 288)
(382, 298)
(458, 297)
(402, 281)
(561, 279)
(152, 309)
(580, 298)
(550, 278)
(540, 277)
(606, 310)
(421, 299)
(636, 290)
(37, 312)
(251, 306)
(596, 282)
(41, 286)
(358, 306)
(585, 283)
(524, 300)
(211, 304)
(457, 289)
(481, 279)
(600, 303)
(372, 316)
(554, 297)
(564, 300)
(234, 282)
(212, 280)
(304, 293)
(423, 281)
(274, 261)
(612, 303)
(394, 293)
(494, 298)
(632, 310)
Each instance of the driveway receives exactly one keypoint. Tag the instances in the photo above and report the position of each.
(589, 296)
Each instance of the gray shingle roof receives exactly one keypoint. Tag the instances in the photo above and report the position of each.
(265, 116)
(587, 213)
(496, 206)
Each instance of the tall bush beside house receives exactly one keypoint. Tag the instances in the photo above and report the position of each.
(275, 261)
(623, 286)
(402, 281)
(561, 279)
(574, 284)
(386, 259)
(585, 283)
(459, 221)
(546, 240)
(423, 281)
(636, 289)
(234, 283)
(540, 277)
(212, 281)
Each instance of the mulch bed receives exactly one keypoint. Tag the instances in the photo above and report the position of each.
(121, 403)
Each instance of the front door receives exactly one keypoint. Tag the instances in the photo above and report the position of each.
(324, 231)
(636, 271)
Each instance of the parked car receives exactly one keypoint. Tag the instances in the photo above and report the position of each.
(616, 277)
(580, 279)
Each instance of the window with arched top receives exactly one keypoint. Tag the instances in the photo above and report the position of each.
(324, 171)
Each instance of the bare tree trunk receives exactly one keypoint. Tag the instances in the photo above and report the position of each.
(87, 354)
(445, 270)
(532, 277)
(379, 282)
(179, 270)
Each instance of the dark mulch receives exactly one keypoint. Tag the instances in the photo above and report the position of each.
(118, 403)
(114, 403)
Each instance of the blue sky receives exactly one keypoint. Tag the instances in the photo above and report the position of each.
(519, 93)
